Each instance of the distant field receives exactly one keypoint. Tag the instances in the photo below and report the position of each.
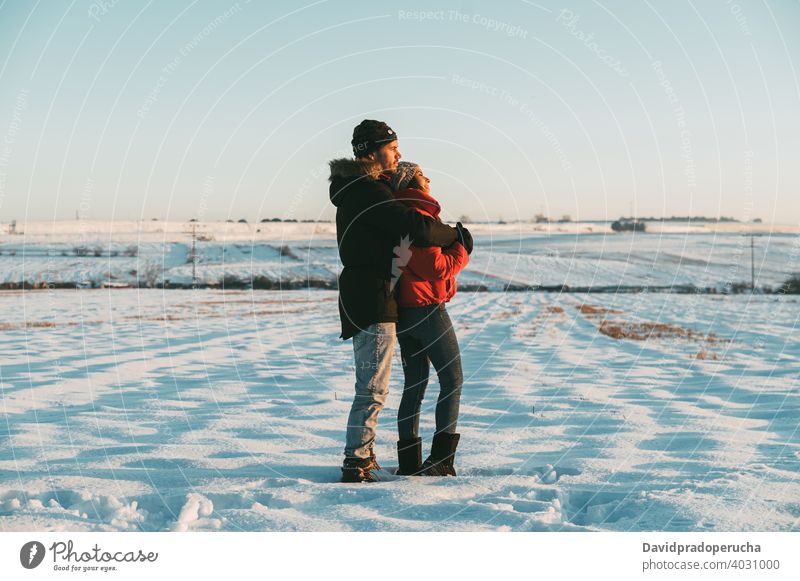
(298, 255)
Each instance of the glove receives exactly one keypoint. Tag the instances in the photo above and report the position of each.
(464, 237)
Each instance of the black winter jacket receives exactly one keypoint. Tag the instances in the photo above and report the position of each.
(369, 224)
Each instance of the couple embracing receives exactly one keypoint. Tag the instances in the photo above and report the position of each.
(400, 262)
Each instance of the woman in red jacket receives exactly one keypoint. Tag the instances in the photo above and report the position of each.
(427, 280)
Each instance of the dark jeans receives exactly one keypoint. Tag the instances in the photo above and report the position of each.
(426, 335)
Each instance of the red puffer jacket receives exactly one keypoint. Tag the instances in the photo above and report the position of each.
(427, 276)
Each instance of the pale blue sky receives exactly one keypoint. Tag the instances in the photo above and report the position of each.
(221, 110)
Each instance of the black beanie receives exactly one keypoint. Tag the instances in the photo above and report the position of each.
(371, 135)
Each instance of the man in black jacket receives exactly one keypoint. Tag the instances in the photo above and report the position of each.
(369, 222)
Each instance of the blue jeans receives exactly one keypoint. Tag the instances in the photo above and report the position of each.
(373, 349)
(426, 336)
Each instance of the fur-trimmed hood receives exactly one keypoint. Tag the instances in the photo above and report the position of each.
(348, 167)
(349, 172)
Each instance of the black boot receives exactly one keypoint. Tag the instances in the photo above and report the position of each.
(409, 454)
(443, 451)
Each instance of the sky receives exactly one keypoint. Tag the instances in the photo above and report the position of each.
(115, 109)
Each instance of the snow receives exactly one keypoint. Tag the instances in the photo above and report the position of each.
(206, 410)
(194, 514)
(137, 230)
(578, 255)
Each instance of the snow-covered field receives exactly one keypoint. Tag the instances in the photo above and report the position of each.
(579, 255)
(161, 410)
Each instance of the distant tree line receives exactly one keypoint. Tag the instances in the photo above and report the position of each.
(244, 221)
(685, 219)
